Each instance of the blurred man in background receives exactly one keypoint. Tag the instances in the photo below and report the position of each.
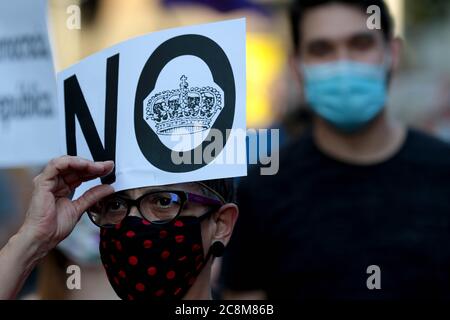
(359, 208)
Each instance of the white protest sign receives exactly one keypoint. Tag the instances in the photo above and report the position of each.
(167, 107)
(28, 114)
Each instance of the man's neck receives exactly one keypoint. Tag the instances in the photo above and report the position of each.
(382, 139)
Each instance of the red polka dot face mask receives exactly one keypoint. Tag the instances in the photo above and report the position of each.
(146, 261)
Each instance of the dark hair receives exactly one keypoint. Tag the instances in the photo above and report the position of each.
(225, 187)
(300, 7)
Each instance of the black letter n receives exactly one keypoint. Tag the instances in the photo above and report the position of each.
(76, 106)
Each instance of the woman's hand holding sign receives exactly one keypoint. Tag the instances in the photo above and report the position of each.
(51, 216)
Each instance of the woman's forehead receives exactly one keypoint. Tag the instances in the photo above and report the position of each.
(136, 192)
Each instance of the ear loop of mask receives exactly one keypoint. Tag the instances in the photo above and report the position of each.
(387, 61)
(217, 248)
(388, 67)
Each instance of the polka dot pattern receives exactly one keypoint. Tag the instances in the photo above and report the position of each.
(160, 293)
(179, 223)
(179, 238)
(163, 234)
(152, 271)
(165, 254)
(148, 244)
(133, 260)
(170, 275)
(140, 287)
(146, 261)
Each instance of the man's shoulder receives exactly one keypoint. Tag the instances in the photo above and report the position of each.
(294, 159)
(427, 145)
(297, 151)
(427, 151)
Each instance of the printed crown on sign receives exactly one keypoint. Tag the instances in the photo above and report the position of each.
(185, 110)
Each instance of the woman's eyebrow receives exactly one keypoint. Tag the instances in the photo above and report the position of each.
(126, 193)
(122, 194)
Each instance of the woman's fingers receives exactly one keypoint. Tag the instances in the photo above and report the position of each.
(90, 197)
(74, 177)
(68, 164)
(62, 164)
(70, 171)
(71, 178)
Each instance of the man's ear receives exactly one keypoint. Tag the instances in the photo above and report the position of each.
(396, 46)
(294, 63)
(225, 219)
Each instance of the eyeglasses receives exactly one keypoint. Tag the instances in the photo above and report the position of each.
(158, 207)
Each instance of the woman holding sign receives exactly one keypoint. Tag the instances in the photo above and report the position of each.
(157, 243)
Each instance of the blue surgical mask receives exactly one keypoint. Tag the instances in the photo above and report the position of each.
(346, 94)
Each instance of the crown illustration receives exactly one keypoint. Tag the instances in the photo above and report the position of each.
(185, 110)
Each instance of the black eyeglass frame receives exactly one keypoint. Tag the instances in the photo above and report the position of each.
(184, 198)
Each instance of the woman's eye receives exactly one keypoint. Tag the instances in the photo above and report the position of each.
(115, 205)
(164, 202)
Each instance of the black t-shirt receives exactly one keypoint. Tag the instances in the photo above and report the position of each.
(312, 230)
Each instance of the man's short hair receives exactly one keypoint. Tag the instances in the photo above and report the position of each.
(300, 7)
